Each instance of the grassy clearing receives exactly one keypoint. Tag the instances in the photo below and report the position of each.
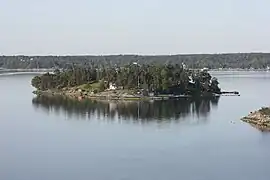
(90, 86)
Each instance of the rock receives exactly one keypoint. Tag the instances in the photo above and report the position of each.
(258, 119)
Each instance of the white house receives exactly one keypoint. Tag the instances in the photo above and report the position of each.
(204, 69)
(184, 66)
(191, 80)
(112, 86)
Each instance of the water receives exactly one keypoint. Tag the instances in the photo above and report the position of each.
(57, 139)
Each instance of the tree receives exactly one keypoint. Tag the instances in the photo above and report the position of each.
(36, 82)
(214, 85)
(102, 85)
(168, 78)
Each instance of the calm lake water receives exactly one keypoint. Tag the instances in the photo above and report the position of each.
(58, 139)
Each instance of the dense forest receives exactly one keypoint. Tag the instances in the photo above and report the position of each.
(211, 61)
(163, 79)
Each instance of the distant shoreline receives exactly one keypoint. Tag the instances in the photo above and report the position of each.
(26, 70)
(238, 70)
(213, 70)
(247, 61)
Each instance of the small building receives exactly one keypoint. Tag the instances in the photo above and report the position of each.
(204, 69)
(191, 80)
(145, 92)
(112, 86)
(184, 66)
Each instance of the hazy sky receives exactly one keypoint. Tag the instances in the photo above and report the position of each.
(60, 27)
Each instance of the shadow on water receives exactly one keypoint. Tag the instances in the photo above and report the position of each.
(135, 111)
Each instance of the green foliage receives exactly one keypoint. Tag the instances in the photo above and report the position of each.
(90, 86)
(173, 79)
(87, 86)
(36, 82)
(265, 111)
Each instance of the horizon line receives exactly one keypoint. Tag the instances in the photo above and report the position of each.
(138, 54)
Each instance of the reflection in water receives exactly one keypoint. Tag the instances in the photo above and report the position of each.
(136, 111)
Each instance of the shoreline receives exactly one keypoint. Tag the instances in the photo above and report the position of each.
(26, 70)
(82, 96)
(112, 95)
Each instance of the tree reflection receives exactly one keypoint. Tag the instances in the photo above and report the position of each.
(136, 111)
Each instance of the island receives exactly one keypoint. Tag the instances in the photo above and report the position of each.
(130, 82)
(259, 119)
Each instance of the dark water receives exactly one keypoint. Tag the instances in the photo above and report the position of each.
(59, 139)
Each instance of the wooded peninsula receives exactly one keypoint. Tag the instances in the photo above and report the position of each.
(133, 81)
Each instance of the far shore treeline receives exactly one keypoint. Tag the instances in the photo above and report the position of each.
(192, 61)
(161, 79)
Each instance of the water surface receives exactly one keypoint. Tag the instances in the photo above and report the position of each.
(189, 139)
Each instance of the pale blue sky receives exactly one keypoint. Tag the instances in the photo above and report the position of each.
(61, 27)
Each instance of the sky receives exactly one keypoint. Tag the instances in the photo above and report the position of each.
(146, 27)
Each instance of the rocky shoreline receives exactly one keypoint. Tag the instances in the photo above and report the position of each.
(80, 94)
(259, 119)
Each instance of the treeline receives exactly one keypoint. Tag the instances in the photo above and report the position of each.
(154, 78)
(211, 61)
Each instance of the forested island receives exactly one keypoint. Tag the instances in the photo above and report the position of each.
(259, 61)
(133, 81)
